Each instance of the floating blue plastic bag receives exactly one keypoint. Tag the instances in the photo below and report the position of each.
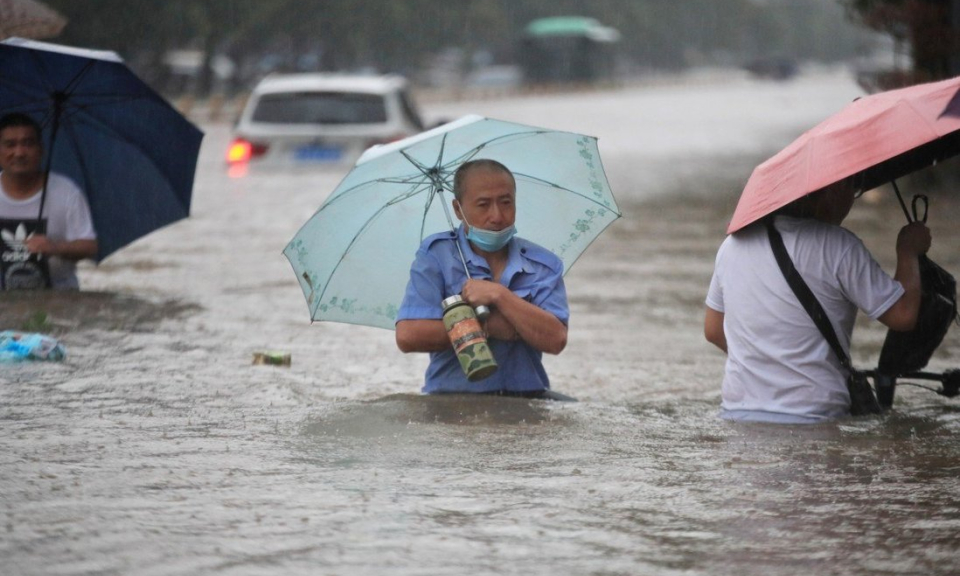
(21, 346)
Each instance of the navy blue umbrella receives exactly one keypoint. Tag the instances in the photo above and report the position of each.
(131, 152)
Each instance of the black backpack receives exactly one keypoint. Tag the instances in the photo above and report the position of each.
(905, 352)
(910, 351)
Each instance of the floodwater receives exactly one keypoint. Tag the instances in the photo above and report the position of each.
(157, 448)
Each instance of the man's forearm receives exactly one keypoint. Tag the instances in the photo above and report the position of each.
(68, 250)
(422, 336)
(913, 240)
(77, 249)
(908, 275)
(533, 324)
(713, 329)
(902, 316)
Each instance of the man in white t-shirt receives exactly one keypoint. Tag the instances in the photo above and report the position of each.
(779, 366)
(38, 250)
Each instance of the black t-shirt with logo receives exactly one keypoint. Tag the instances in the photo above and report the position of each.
(19, 269)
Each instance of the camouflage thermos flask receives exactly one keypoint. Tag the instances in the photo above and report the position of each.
(469, 341)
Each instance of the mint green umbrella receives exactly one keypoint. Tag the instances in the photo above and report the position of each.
(353, 256)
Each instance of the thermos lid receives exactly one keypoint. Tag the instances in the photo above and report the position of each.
(448, 302)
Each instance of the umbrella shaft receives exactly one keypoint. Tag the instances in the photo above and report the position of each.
(446, 211)
(482, 311)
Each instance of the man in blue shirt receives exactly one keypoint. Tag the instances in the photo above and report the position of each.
(521, 282)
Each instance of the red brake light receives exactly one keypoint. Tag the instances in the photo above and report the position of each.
(242, 150)
(239, 151)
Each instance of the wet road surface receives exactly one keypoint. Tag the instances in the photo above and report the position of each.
(158, 448)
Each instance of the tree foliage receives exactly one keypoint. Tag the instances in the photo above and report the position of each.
(403, 35)
(926, 25)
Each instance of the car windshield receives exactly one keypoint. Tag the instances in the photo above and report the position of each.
(321, 108)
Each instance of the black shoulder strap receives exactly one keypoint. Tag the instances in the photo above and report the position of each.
(805, 295)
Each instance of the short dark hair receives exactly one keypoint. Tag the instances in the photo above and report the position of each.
(482, 163)
(806, 206)
(803, 207)
(15, 119)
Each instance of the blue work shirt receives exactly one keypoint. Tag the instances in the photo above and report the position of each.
(532, 273)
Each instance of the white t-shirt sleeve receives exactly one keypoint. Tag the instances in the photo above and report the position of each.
(864, 283)
(715, 292)
(78, 219)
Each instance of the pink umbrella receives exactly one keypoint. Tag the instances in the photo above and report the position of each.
(29, 19)
(882, 137)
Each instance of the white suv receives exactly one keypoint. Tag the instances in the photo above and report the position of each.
(310, 119)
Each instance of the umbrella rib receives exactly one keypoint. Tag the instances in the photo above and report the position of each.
(106, 129)
(81, 116)
(70, 87)
(360, 232)
(418, 165)
(413, 179)
(409, 180)
(52, 90)
(443, 147)
(76, 79)
(70, 109)
(405, 196)
(426, 210)
(472, 152)
(521, 175)
(21, 88)
(476, 150)
(441, 167)
(930, 125)
(74, 141)
(100, 99)
(45, 75)
(88, 187)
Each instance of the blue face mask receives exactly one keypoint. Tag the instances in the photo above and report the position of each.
(489, 240)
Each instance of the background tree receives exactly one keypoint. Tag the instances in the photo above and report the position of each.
(405, 36)
(929, 27)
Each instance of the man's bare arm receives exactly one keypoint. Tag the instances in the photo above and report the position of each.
(533, 324)
(68, 250)
(713, 329)
(913, 240)
(421, 336)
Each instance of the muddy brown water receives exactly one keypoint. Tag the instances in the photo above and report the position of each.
(157, 447)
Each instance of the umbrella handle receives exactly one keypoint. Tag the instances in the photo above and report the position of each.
(916, 199)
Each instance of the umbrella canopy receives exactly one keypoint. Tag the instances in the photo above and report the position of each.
(133, 155)
(29, 19)
(353, 256)
(879, 137)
